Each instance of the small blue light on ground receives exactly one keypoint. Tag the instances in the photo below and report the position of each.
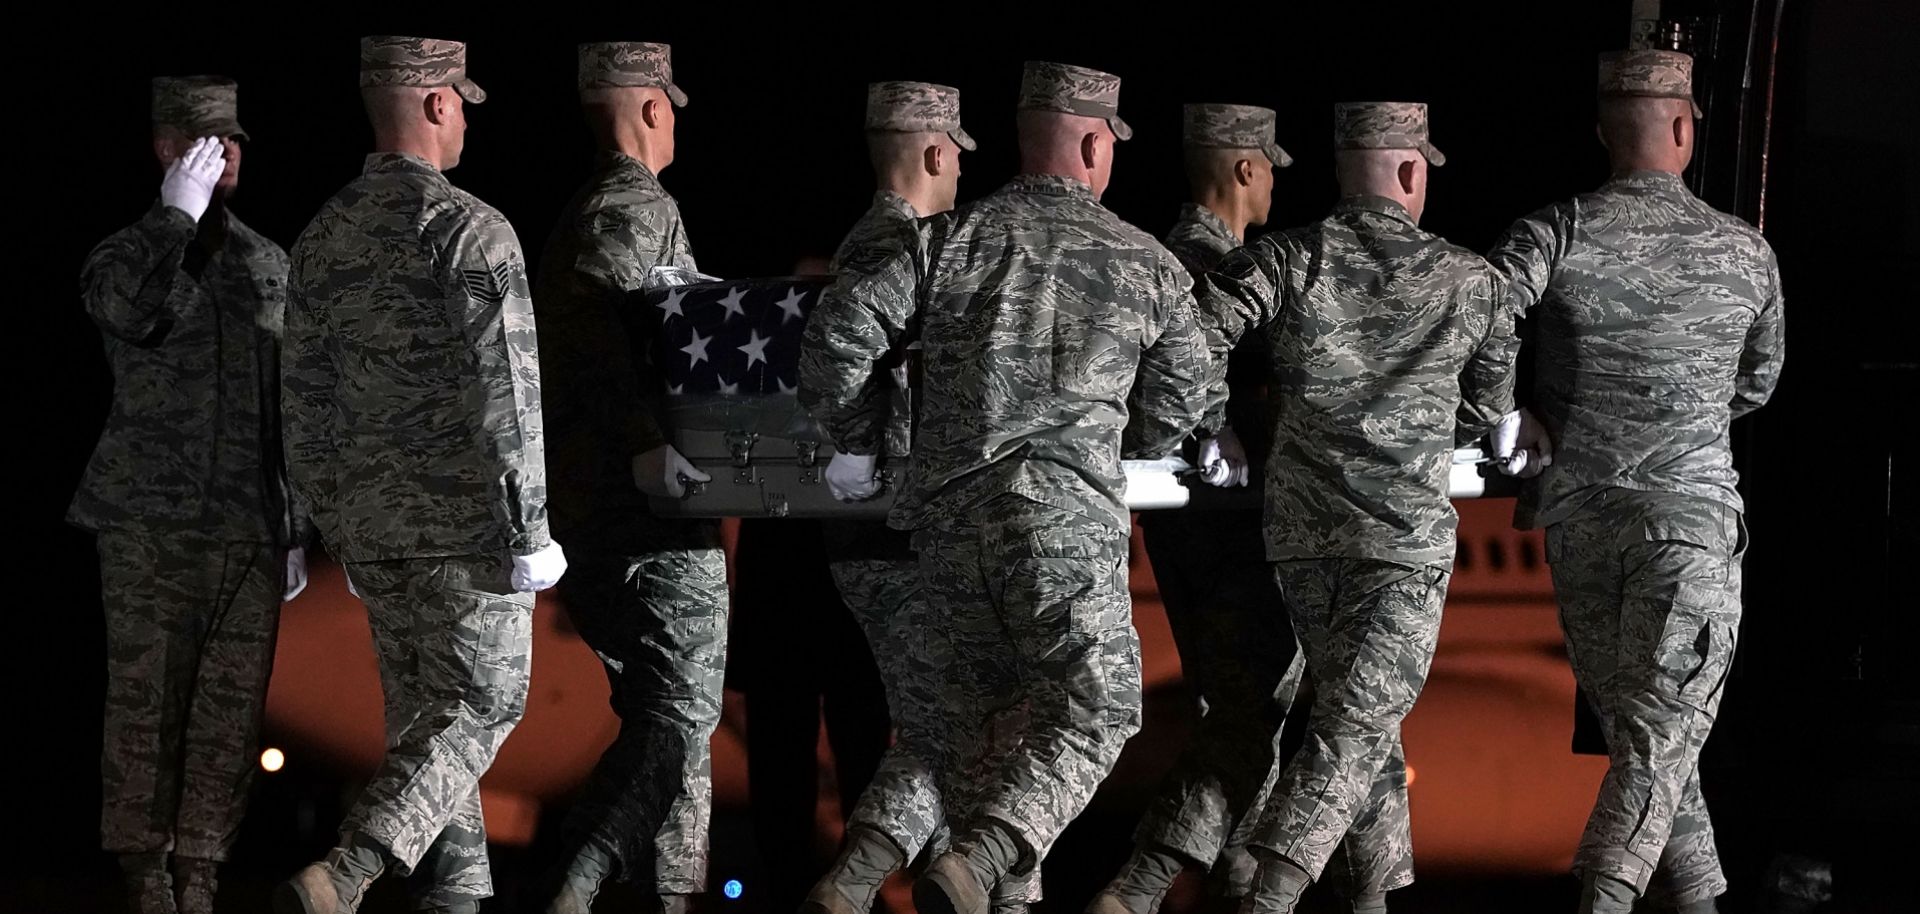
(733, 888)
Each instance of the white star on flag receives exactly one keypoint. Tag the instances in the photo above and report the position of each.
(676, 389)
(785, 388)
(755, 348)
(697, 350)
(671, 304)
(732, 303)
(728, 387)
(791, 304)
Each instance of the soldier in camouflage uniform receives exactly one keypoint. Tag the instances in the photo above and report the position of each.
(648, 594)
(1388, 343)
(413, 433)
(1659, 323)
(1237, 648)
(915, 140)
(1045, 322)
(187, 496)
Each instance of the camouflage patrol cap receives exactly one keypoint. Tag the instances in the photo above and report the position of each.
(627, 64)
(1384, 125)
(429, 63)
(1068, 89)
(1233, 127)
(198, 105)
(1648, 74)
(910, 107)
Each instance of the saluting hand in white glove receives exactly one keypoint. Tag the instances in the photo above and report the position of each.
(188, 185)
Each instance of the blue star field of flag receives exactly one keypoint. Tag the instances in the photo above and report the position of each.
(733, 337)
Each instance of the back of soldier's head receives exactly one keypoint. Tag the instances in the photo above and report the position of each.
(894, 151)
(1225, 146)
(1647, 109)
(415, 91)
(1384, 149)
(1211, 170)
(609, 109)
(914, 140)
(1374, 172)
(1069, 119)
(394, 108)
(1047, 136)
(629, 96)
(1647, 133)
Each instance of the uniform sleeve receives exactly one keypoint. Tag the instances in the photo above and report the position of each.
(484, 281)
(1528, 253)
(308, 376)
(859, 319)
(1245, 291)
(1181, 383)
(272, 268)
(1765, 351)
(127, 283)
(617, 250)
(1486, 381)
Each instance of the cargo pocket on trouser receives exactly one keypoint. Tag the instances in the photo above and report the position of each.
(1061, 612)
(1080, 664)
(1664, 706)
(1104, 617)
(1696, 644)
(494, 626)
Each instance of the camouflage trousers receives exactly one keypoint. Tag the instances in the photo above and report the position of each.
(649, 595)
(455, 645)
(190, 625)
(1035, 605)
(1649, 591)
(879, 579)
(1240, 659)
(1368, 629)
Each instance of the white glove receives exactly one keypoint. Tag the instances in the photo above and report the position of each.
(188, 186)
(296, 573)
(354, 591)
(662, 277)
(1521, 446)
(658, 472)
(1223, 460)
(539, 571)
(850, 477)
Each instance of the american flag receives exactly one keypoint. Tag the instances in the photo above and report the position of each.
(731, 337)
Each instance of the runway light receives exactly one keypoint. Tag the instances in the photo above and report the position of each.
(272, 760)
(733, 888)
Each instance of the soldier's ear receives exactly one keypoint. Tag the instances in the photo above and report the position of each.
(1410, 175)
(1600, 134)
(1243, 172)
(933, 160)
(1090, 151)
(435, 107)
(650, 113)
(166, 148)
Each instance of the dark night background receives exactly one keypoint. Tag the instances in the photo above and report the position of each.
(1817, 742)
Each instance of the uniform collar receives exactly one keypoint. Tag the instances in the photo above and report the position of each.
(1206, 218)
(1380, 206)
(398, 161)
(1056, 185)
